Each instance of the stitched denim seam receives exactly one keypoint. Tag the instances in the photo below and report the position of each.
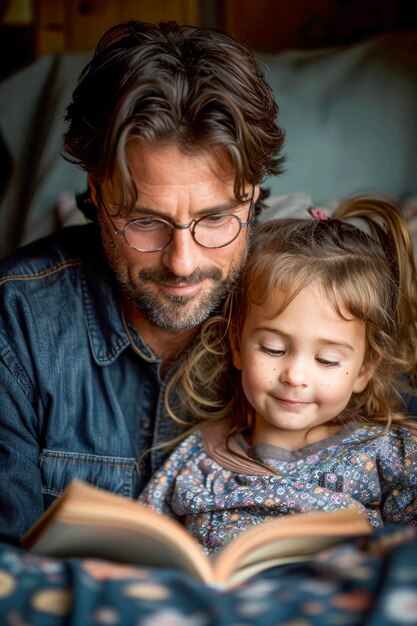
(8, 357)
(43, 274)
(122, 343)
(6, 353)
(69, 460)
(119, 346)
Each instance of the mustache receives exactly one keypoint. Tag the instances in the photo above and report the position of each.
(166, 277)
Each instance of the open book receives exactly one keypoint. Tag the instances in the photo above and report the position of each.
(90, 522)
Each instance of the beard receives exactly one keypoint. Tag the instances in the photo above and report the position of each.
(164, 310)
(176, 312)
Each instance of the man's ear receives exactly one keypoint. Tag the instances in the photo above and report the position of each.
(235, 347)
(256, 192)
(365, 374)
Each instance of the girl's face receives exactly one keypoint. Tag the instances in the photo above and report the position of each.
(300, 368)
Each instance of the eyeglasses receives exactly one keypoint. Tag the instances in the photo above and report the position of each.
(151, 234)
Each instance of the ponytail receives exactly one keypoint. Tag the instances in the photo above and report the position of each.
(387, 225)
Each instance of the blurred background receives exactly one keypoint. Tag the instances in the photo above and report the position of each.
(32, 28)
(344, 73)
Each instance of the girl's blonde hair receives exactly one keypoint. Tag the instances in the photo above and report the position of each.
(369, 273)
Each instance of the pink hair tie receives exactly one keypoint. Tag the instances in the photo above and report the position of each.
(318, 214)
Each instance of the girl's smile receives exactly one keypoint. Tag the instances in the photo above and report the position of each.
(300, 368)
(289, 404)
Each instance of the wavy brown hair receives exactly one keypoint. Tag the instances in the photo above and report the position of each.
(196, 87)
(369, 273)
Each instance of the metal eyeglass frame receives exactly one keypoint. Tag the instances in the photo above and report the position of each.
(191, 226)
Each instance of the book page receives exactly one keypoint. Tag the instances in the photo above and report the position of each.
(263, 558)
(289, 536)
(91, 522)
(123, 543)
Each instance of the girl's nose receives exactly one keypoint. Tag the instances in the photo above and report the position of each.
(295, 372)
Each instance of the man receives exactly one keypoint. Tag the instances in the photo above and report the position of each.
(176, 128)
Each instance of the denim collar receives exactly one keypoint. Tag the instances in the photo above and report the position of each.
(109, 333)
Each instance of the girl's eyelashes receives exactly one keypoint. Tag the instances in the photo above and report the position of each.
(327, 363)
(281, 352)
(271, 351)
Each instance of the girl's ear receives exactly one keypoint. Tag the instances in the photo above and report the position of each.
(235, 347)
(92, 186)
(365, 374)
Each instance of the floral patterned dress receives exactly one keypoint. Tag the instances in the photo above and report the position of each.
(218, 491)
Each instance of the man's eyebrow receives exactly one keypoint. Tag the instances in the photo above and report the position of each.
(218, 208)
(323, 340)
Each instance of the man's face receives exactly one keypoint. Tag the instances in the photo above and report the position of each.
(176, 288)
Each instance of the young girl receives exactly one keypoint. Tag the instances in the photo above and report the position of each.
(297, 387)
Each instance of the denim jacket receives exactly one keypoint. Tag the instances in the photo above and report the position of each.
(80, 393)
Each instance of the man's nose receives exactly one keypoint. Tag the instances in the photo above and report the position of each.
(295, 371)
(182, 255)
